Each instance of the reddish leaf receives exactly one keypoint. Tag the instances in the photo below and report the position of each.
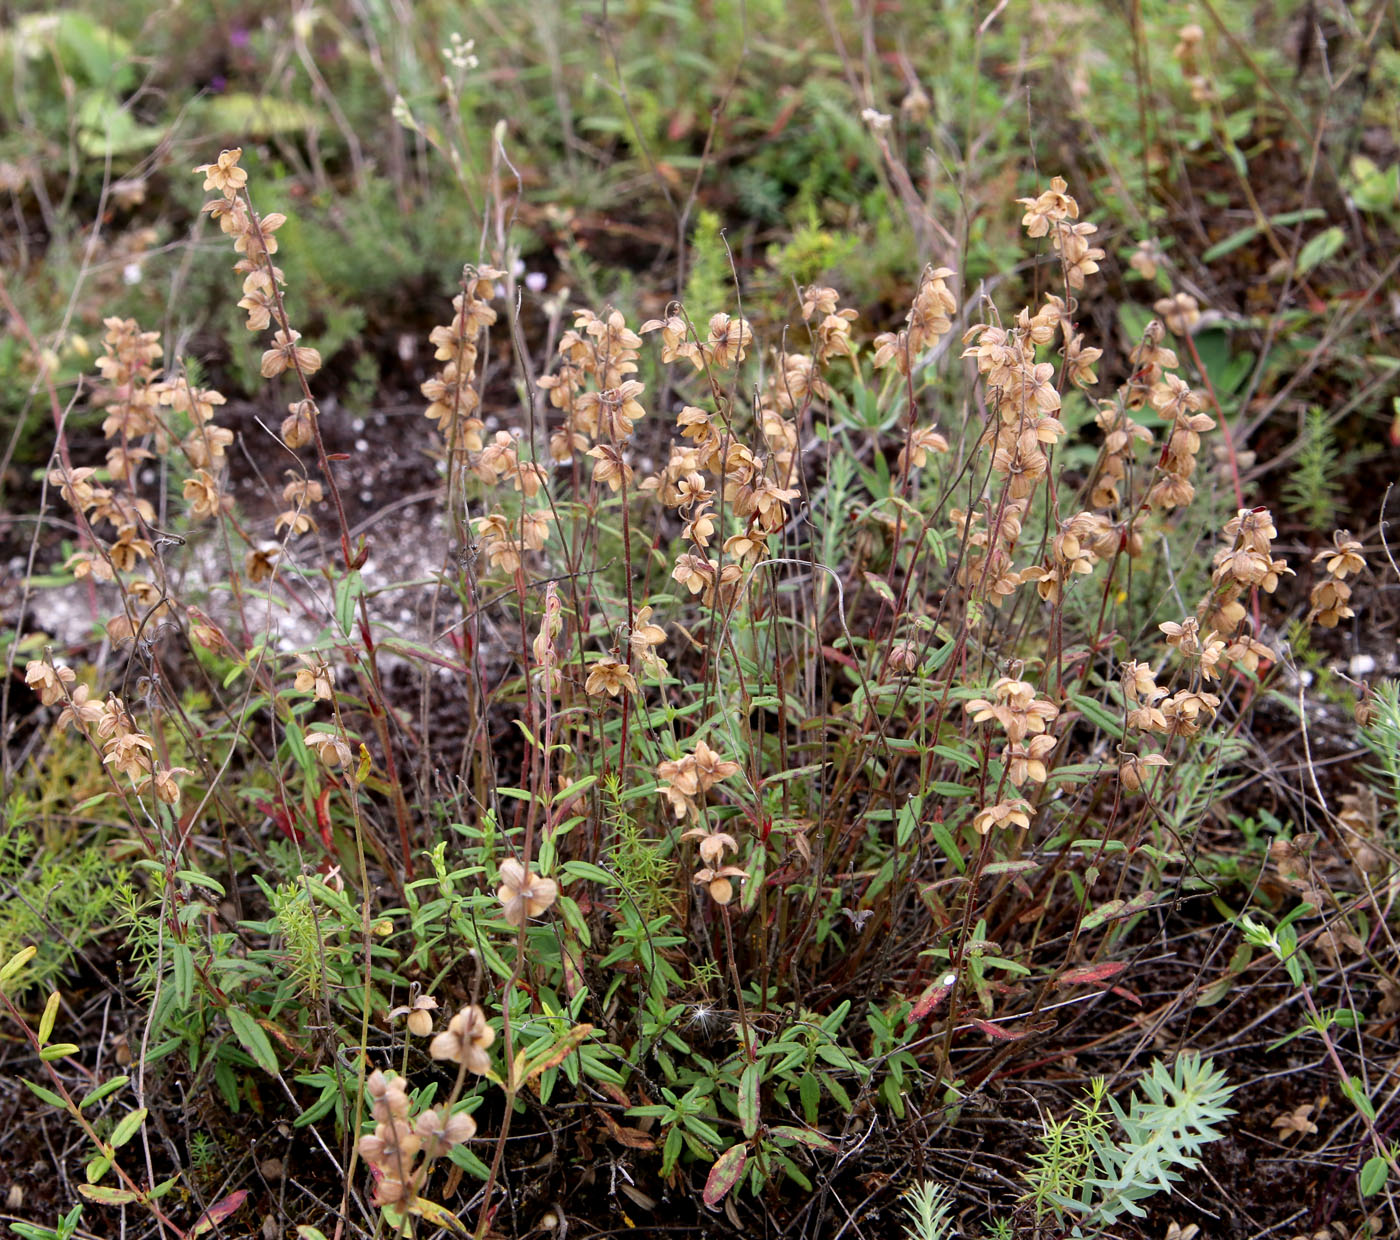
(1091, 974)
(727, 1172)
(632, 1138)
(785, 114)
(323, 817)
(934, 994)
(281, 820)
(996, 1031)
(220, 1211)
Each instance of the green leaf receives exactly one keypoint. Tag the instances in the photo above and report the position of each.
(803, 1136)
(579, 785)
(107, 127)
(182, 961)
(127, 1127)
(1373, 1175)
(196, 879)
(108, 1196)
(1354, 1090)
(438, 1216)
(810, 1091)
(880, 586)
(347, 591)
(1111, 908)
(1097, 714)
(1373, 188)
(253, 1038)
(240, 112)
(16, 963)
(321, 1107)
(59, 1050)
(1246, 235)
(588, 872)
(47, 1019)
(1321, 248)
(45, 1095)
(107, 1087)
(671, 1150)
(748, 1100)
(97, 1167)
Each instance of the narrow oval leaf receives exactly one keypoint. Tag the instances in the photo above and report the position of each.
(59, 1050)
(46, 1095)
(559, 1052)
(128, 1127)
(219, 1211)
(1091, 974)
(47, 1019)
(809, 1137)
(748, 1100)
(1373, 1175)
(934, 994)
(253, 1038)
(182, 958)
(16, 963)
(438, 1216)
(106, 1195)
(97, 1168)
(996, 1031)
(727, 1172)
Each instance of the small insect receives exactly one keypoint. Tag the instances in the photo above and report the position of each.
(858, 917)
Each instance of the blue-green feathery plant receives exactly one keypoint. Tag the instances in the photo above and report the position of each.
(1086, 1177)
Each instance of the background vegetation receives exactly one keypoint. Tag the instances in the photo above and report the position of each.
(866, 706)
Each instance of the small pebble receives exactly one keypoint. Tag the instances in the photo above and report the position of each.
(1361, 665)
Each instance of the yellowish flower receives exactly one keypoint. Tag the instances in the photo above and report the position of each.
(130, 753)
(79, 709)
(1133, 768)
(314, 677)
(1053, 204)
(202, 492)
(48, 680)
(1013, 813)
(225, 175)
(610, 676)
(611, 469)
(522, 894)
(465, 1040)
(717, 881)
(333, 750)
(420, 1015)
(712, 844)
(286, 354)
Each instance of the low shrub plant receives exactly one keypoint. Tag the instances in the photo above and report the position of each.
(781, 747)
